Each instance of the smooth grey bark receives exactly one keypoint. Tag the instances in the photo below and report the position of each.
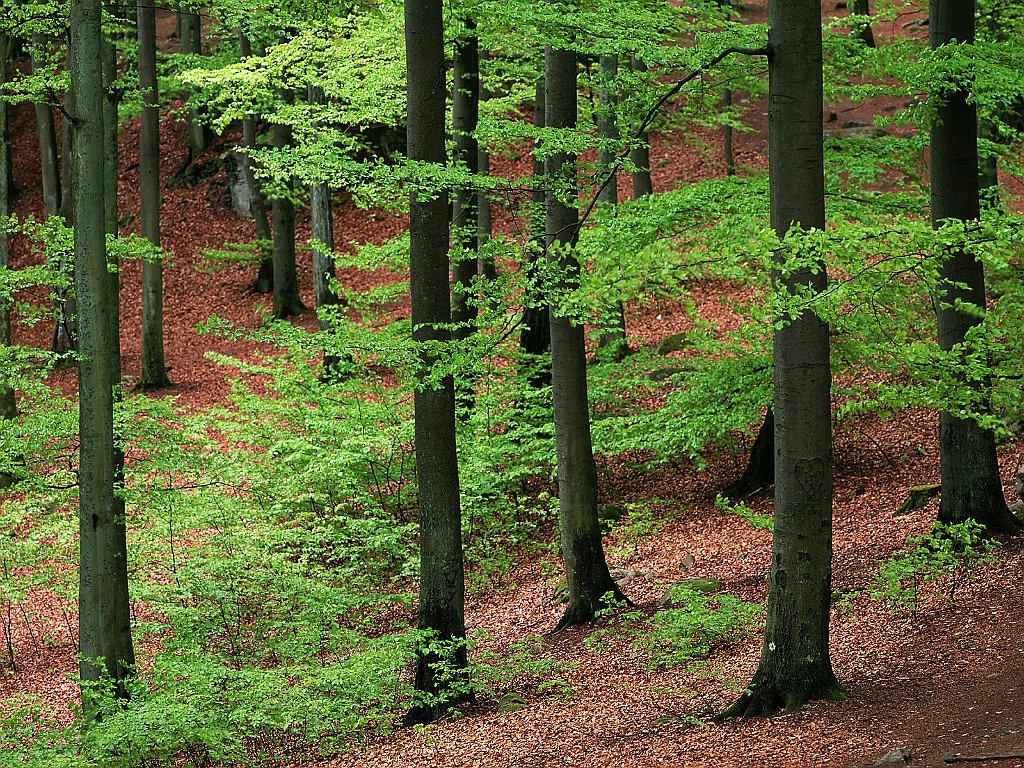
(862, 32)
(535, 336)
(613, 335)
(112, 98)
(586, 570)
(640, 156)
(8, 407)
(969, 468)
(286, 281)
(465, 224)
(795, 666)
(67, 142)
(191, 30)
(104, 629)
(265, 276)
(153, 374)
(442, 588)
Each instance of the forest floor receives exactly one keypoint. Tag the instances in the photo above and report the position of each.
(949, 679)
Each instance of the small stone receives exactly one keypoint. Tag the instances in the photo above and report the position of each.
(511, 702)
(687, 562)
(894, 757)
(856, 132)
(676, 342)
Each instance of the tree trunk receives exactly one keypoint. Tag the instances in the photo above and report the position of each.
(613, 335)
(191, 29)
(322, 225)
(795, 665)
(442, 589)
(265, 276)
(760, 471)
(730, 158)
(862, 31)
(465, 226)
(535, 337)
(286, 281)
(586, 571)
(640, 156)
(154, 369)
(104, 629)
(8, 408)
(971, 487)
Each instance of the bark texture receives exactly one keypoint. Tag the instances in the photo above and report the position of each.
(442, 590)
(8, 409)
(795, 665)
(105, 640)
(640, 156)
(286, 280)
(586, 570)
(971, 487)
(190, 27)
(760, 471)
(153, 374)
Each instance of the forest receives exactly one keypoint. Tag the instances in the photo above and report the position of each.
(499, 383)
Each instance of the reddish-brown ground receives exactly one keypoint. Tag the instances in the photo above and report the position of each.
(949, 680)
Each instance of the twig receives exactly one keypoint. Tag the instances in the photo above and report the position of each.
(949, 757)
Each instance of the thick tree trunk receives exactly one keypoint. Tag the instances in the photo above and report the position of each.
(8, 408)
(641, 155)
(613, 335)
(153, 374)
(862, 32)
(971, 487)
(105, 639)
(265, 276)
(286, 281)
(795, 665)
(535, 337)
(191, 30)
(465, 225)
(586, 571)
(442, 589)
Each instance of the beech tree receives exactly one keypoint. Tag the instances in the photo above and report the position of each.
(535, 337)
(465, 225)
(8, 408)
(286, 281)
(104, 624)
(153, 374)
(795, 664)
(586, 570)
(969, 468)
(442, 589)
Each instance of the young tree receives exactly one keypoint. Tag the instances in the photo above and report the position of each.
(190, 28)
(105, 639)
(442, 588)
(971, 487)
(265, 276)
(154, 368)
(640, 155)
(535, 337)
(586, 570)
(795, 665)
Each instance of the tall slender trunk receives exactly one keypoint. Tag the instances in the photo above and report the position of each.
(484, 224)
(154, 369)
(442, 589)
(8, 407)
(265, 276)
(535, 337)
(191, 30)
(862, 31)
(727, 152)
(640, 156)
(969, 468)
(104, 629)
(465, 113)
(586, 570)
(613, 334)
(286, 281)
(795, 665)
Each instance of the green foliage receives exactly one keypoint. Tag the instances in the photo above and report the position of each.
(740, 509)
(950, 554)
